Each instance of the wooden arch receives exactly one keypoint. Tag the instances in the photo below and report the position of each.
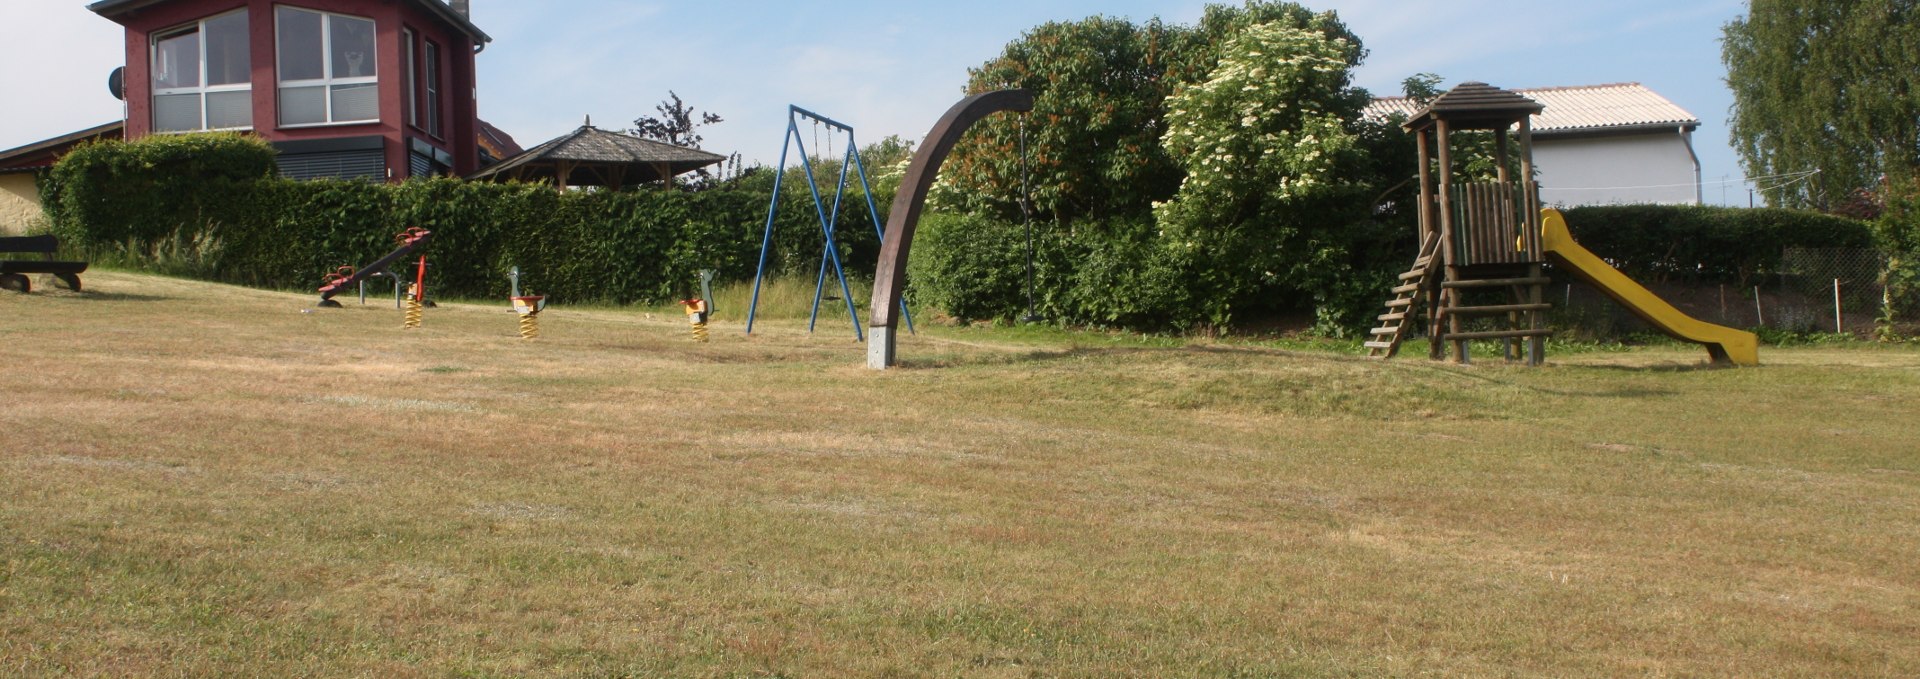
(890, 276)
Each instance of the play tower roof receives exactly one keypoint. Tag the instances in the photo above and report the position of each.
(1475, 105)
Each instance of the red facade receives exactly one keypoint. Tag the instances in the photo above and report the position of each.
(402, 143)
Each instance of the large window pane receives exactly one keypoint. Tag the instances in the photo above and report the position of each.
(303, 105)
(228, 62)
(176, 112)
(356, 102)
(352, 47)
(176, 61)
(229, 109)
(297, 33)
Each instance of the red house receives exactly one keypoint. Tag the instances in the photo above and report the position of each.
(374, 89)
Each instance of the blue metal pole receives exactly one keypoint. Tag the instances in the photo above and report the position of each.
(773, 206)
(874, 212)
(833, 226)
(819, 208)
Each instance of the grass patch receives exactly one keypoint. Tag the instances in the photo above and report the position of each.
(201, 479)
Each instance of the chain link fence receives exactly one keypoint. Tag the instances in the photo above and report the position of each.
(1831, 289)
(1815, 290)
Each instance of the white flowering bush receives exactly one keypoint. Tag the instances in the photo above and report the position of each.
(1261, 124)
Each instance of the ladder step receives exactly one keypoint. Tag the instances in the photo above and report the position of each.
(1391, 317)
(1410, 287)
(1416, 273)
(1496, 282)
(1399, 302)
(1386, 331)
(1497, 309)
(1379, 345)
(1497, 334)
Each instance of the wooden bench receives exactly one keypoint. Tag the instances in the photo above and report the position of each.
(13, 271)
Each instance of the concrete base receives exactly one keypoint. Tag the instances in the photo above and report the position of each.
(880, 347)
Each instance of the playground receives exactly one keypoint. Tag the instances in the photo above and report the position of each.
(206, 479)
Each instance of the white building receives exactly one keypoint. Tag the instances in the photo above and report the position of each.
(1604, 145)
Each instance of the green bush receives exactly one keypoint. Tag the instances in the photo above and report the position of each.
(975, 268)
(1686, 243)
(208, 206)
(160, 189)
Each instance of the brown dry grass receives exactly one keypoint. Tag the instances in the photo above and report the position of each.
(203, 480)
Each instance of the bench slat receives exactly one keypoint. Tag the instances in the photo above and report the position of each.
(42, 244)
(41, 266)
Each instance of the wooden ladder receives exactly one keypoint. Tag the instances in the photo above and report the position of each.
(1385, 340)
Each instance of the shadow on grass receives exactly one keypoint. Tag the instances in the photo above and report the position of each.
(92, 295)
(1041, 356)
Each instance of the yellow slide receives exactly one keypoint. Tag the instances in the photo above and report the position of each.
(1723, 343)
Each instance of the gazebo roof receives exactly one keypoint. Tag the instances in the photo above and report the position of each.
(1475, 105)
(590, 156)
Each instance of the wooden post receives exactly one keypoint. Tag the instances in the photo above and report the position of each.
(1426, 186)
(1532, 193)
(1448, 297)
(1537, 345)
(1500, 154)
(560, 171)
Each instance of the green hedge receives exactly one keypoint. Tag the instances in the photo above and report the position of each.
(211, 200)
(1686, 243)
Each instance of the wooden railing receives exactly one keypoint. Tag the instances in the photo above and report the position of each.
(1496, 223)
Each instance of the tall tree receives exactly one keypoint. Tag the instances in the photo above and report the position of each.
(678, 123)
(1826, 85)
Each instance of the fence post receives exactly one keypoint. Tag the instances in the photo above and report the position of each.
(1760, 317)
(1837, 327)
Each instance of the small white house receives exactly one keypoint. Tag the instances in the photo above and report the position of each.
(1604, 145)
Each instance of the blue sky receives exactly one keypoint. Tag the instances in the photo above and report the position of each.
(893, 67)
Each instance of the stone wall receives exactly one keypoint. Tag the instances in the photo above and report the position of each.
(19, 203)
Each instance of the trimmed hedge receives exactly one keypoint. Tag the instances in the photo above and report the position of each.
(1687, 243)
(142, 203)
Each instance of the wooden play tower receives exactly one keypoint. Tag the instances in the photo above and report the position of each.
(1478, 275)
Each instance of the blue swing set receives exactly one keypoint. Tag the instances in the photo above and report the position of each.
(829, 220)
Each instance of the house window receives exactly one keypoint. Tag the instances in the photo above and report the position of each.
(407, 79)
(328, 73)
(202, 76)
(432, 78)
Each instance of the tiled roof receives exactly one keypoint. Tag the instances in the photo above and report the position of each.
(496, 141)
(42, 154)
(594, 146)
(112, 8)
(1578, 109)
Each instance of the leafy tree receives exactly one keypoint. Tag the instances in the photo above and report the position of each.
(1101, 86)
(1898, 234)
(1826, 85)
(1273, 164)
(678, 124)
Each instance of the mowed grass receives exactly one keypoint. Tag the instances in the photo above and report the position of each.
(200, 480)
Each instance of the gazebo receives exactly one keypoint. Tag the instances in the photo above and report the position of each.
(590, 156)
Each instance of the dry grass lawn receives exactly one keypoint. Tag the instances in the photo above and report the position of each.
(199, 480)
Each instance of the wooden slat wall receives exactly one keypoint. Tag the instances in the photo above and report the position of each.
(1489, 218)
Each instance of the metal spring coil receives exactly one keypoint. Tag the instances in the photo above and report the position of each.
(529, 326)
(415, 310)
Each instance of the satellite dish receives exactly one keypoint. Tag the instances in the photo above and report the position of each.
(117, 83)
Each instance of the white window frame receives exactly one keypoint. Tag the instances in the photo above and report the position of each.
(203, 89)
(434, 124)
(326, 82)
(407, 76)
